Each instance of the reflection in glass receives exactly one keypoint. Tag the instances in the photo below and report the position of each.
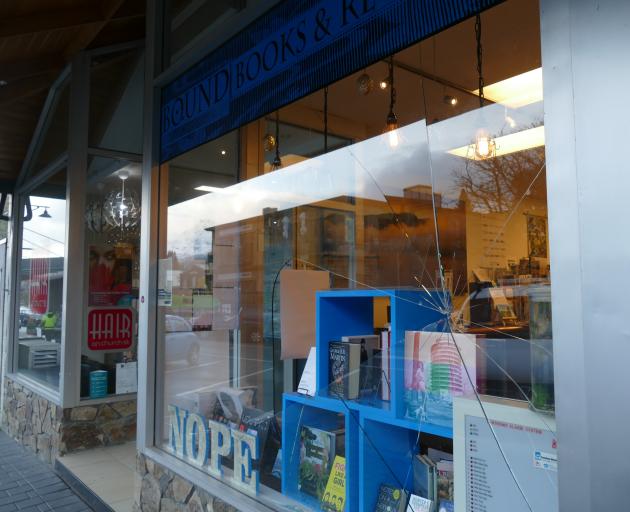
(41, 269)
(112, 234)
(116, 95)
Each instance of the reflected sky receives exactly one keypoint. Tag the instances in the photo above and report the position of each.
(43, 237)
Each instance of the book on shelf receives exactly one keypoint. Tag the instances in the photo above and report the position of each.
(369, 374)
(419, 504)
(438, 366)
(445, 481)
(433, 478)
(423, 477)
(344, 361)
(264, 426)
(386, 370)
(446, 506)
(276, 470)
(390, 499)
(437, 455)
(335, 492)
(317, 453)
(308, 380)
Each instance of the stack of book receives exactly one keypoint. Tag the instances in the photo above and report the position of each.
(433, 478)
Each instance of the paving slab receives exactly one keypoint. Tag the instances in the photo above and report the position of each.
(28, 484)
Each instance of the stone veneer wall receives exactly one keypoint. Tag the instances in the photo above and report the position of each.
(51, 431)
(164, 491)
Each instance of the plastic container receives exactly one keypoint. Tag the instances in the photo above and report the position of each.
(98, 384)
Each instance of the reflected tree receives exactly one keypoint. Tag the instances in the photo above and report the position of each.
(496, 185)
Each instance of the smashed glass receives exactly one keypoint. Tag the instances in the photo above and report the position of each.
(425, 261)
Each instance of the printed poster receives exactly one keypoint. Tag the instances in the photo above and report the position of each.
(438, 367)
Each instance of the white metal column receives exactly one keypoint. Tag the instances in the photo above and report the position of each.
(75, 257)
(149, 231)
(586, 69)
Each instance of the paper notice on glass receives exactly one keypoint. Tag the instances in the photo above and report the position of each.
(297, 310)
(308, 380)
(126, 378)
(165, 282)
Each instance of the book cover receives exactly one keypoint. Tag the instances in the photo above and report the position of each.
(419, 504)
(335, 492)
(390, 499)
(445, 481)
(438, 366)
(317, 452)
(343, 369)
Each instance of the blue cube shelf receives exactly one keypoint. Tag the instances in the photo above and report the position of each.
(380, 441)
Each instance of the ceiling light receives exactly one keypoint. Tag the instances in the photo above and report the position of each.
(383, 84)
(223, 152)
(485, 146)
(45, 215)
(450, 100)
(517, 91)
(365, 84)
(3, 83)
(519, 141)
(207, 188)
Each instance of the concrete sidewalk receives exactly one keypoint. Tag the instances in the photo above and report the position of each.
(30, 485)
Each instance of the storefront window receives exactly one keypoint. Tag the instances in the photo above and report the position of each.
(402, 233)
(112, 228)
(41, 271)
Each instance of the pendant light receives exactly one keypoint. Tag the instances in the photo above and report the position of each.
(277, 161)
(365, 84)
(485, 147)
(121, 209)
(391, 126)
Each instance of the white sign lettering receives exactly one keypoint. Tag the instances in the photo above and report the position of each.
(204, 443)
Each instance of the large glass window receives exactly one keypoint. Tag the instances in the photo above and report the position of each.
(112, 248)
(402, 232)
(40, 281)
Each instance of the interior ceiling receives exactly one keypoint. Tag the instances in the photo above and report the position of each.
(37, 39)
(511, 46)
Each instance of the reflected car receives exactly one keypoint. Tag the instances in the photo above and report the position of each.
(26, 315)
(181, 341)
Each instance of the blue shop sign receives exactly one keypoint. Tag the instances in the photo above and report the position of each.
(296, 48)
